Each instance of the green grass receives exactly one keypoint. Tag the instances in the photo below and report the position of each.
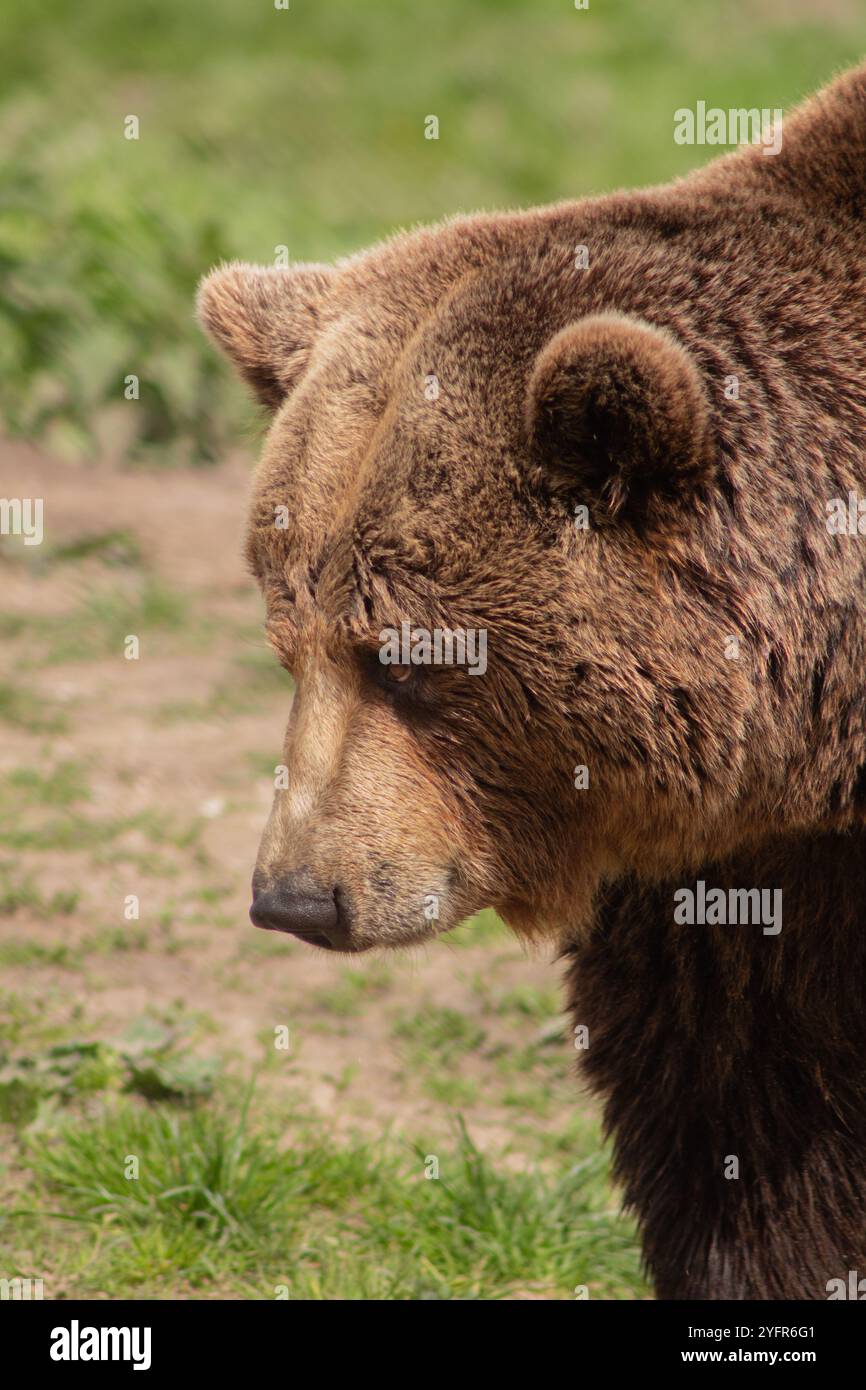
(436, 1036)
(70, 832)
(106, 941)
(355, 989)
(455, 1091)
(484, 927)
(97, 624)
(114, 549)
(526, 1001)
(35, 1017)
(149, 1061)
(19, 892)
(106, 615)
(62, 785)
(254, 678)
(23, 708)
(42, 809)
(109, 614)
(218, 1204)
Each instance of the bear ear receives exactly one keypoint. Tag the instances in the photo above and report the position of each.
(265, 320)
(619, 416)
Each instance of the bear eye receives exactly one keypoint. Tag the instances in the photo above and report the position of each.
(390, 676)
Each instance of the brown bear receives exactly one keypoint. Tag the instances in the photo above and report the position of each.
(619, 444)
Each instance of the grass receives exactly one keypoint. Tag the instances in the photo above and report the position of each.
(436, 1036)
(17, 893)
(97, 623)
(107, 615)
(525, 1000)
(35, 1017)
(455, 1091)
(484, 927)
(207, 1196)
(42, 810)
(23, 708)
(72, 832)
(17, 951)
(354, 990)
(65, 785)
(254, 677)
(113, 549)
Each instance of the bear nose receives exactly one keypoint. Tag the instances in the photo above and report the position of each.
(297, 905)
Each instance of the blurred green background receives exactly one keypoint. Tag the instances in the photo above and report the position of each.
(304, 127)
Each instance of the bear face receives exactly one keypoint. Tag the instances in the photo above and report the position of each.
(471, 433)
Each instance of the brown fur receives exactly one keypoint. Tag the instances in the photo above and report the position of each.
(609, 648)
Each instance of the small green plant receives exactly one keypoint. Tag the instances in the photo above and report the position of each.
(149, 1062)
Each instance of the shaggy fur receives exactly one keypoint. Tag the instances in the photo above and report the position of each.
(441, 405)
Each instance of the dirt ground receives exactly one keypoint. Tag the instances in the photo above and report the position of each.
(152, 777)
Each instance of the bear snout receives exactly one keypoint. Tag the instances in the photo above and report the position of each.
(296, 904)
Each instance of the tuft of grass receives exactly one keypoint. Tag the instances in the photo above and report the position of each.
(536, 1059)
(154, 605)
(149, 1062)
(206, 1196)
(434, 1035)
(527, 1001)
(15, 951)
(530, 1100)
(30, 1018)
(256, 677)
(17, 893)
(70, 831)
(63, 785)
(115, 548)
(24, 708)
(354, 989)
(455, 1091)
(135, 604)
(485, 927)
(107, 616)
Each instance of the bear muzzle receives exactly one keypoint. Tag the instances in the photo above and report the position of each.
(296, 904)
